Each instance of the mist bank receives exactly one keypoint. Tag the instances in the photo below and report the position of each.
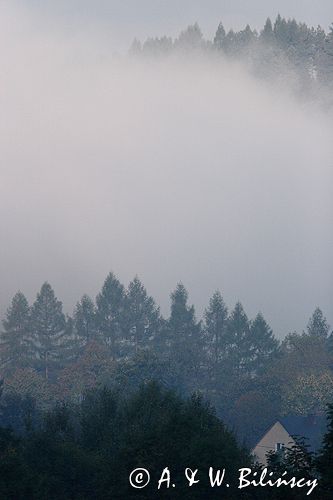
(177, 169)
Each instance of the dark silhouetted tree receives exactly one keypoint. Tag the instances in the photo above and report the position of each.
(15, 344)
(110, 312)
(48, 327)
(142, 316)
(215, 327)
(318, 326)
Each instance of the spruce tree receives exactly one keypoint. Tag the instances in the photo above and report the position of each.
(318, 326)
(142, 316)
(239, 340)
(219, 37)
(184, 336)
(263, 343)
(85, 322)
(190, 39)
(48, 327)
(110, 312)
(15, 336)
(325, 458)
(215, 327)
(267, 34)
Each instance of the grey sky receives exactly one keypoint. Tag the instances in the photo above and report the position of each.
(191, 172)
(121, 20)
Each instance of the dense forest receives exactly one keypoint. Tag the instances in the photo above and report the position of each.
(283, 49)
(121, 340)
(87, 397)
(88, 450)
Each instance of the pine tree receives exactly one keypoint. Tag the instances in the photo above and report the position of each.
(216, 318)
(48, 327)
(15, 338)
(142, 316)
(318, 326)
(110, 312)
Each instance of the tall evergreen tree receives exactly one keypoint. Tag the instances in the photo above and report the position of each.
(267, 34)
(142, 316)
(239, 340)
(325, 458)
(318, 326)
(15, 339)
(219, 37)
(327, 59)
(263, 343)
(110, 312)
(216, 321)
(184, 336)
(85, 322)
(281, 31)
(190, 39)
(48, 327)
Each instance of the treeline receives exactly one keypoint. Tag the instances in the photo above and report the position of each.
(280, 47)
(121, 340)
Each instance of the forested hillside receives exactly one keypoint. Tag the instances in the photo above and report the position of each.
(121, 340)
(283, 49)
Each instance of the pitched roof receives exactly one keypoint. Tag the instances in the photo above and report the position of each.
(312, 427)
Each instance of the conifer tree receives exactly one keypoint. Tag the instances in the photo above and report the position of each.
(184, 335)
(85, 321)
(15, 336)
(48, 327)
(267, 34)
(219, 37)
(325, 458)
(110, 312)
(263, 343)
(318, 326)
(190, 39)
(215, 327)
(239, 340)
(142, 316)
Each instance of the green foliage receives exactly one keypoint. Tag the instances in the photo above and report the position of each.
(15, 342)
(295, 460)
(122, 342)
(183, 339)
(48, 327)
(318, 326)
(88, 451)
(110, 311)
(325, 459)
(215, 327)
(85, 322)
(141, 316)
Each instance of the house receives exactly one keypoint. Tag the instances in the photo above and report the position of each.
(281, 433)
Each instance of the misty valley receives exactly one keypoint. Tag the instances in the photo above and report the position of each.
(117, 386)
(189, 160)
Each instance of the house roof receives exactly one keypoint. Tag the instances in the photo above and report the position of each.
(311, 427)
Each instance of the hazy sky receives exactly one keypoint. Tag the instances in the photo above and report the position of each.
(121, 20)
(194, 172)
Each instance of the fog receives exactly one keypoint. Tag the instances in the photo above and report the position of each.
(180, 169)
(119, 21)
